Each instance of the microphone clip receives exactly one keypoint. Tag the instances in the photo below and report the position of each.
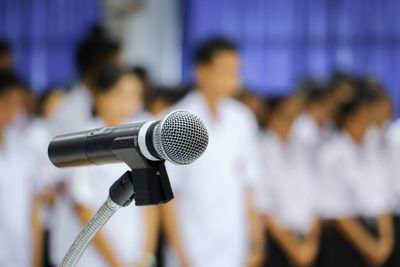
(148, 186)
(147, 182)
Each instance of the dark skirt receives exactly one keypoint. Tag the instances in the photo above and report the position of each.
(276, 257)
(336, 250)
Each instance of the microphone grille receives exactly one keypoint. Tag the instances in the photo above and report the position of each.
(181, 137)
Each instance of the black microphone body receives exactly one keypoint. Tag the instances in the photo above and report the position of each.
(180, 137)
(96, 146)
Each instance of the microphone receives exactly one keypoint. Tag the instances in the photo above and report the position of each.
(180, 137)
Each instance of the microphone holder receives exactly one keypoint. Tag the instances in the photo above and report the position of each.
(147, 183)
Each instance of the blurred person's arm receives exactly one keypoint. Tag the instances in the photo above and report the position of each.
(372, 249)
(300, 252)
(256, 233)
(37, 232)
(48, 197)
(313, 235)
(386, 236)
(171, 228)
(152, 222)
(99, 240)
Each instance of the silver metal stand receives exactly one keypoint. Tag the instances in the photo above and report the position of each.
(147, 186)
(90, 230)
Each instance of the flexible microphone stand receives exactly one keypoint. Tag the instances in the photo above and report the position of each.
(147, 183)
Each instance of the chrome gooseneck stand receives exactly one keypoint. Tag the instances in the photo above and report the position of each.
(147, 183)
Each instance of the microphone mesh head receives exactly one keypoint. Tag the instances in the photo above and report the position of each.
(180, 137)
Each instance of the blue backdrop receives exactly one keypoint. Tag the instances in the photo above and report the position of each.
(44, 34)
(283, 41)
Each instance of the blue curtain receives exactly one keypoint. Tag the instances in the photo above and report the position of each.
(283, 41)
(44, 35)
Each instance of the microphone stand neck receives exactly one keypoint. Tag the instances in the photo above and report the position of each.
(147, 186)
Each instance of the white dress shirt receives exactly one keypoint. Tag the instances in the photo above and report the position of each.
(287, 188)
(353, 181)
(74, 111)
(310, 135)
(17, 190)
(211, 192)
(393, 139)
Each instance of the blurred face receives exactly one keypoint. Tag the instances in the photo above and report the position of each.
(381, 112)
(358, 123)
(324, 110)
(6, 61)
(256, 105)
(121, 102)
(221, 76)
(282, 119)
(11, 104)
(343, 92)
(53, 101)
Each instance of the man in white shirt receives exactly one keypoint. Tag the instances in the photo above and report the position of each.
(212, 223)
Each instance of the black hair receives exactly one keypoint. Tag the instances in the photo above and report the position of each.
(274, 103)
(5, 47)
(141, 72)
(107, 76)
(362, 97)
(172, 94)
(8, 81)
(338, 78)
(207, 50)
(246, 92)
(95, 50)
(272, 106)
(312, 91)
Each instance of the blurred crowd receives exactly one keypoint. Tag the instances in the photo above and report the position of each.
(303, 179)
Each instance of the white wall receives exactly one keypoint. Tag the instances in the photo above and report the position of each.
(150, 31)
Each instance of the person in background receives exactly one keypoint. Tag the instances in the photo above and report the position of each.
(37, 133)
(212, 221)
(129, 238)
(28, 96)
(341, 86)
(381, 112)
(49, 102)
(255, 103)
(20, 222)
(393, 143)
(144, 77)
(165, 97)
(77, 105)
(313, 127)
(76, 109)
(6, 56)
(354, 191)
(286, 193)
